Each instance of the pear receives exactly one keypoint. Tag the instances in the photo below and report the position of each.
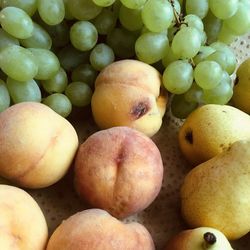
(201, 238)
(217, 192)
(211, 129)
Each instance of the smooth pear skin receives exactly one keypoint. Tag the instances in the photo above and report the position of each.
(201, 238)
(217, 193)
(211, 129)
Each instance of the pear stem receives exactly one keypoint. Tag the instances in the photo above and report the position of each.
(210, 239)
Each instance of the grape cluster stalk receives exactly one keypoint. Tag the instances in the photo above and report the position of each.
(51, 51)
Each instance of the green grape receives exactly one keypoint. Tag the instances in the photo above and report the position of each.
(60, 103)
(83, 35)
(203, 53)
(27, 91)
(225, 35)
(193, 21)
(186, 43)
(178, 77)
(39, 39)
(70, 57)
(84, 9)
(180, 108)
(219, 46)
(157, 15)
(101, 56)
(239, 23)
(79, 93)
(47, 61)
(133, 4)
(68, 14)
(197, 7)
(203, 38)
(130, 18)
(223, 9)
(150, 47)
(16, 22)
(194, 94)
(4, 96)
(6, 39)
(59, 33)
(18, 63)
(103, 3)
(105, 22)
(56, 84)
(84, 73)
(225, 58)
(212, 27)
(122, 42)
(208, 74)
(169, 57)
(51, 12)
(29, 6)
(222, 93)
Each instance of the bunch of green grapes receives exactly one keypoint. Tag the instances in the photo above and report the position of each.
(52, 50)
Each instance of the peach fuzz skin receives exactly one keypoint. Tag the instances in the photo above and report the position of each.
(119, 170)
(95, 229)
(22, 223)
(37, 145)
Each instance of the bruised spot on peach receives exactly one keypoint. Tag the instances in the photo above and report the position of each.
(140, 109)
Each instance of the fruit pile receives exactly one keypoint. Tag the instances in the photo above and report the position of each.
(52, 51)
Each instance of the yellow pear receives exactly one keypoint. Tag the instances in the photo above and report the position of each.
(211, 129)
(217, 192)
(201, 238)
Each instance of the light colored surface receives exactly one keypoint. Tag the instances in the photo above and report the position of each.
(163, 217)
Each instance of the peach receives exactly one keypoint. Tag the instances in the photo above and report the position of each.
(95, 229)
(128, 93)
(118, 169)
(22, 223)
(37, 145)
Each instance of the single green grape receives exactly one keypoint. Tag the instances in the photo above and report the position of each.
(83, 35)
(223, 9)
(47, 61)
(39, 39)
(178, 77)
(197, 7)
(7, 39)
(105, 22)
(4, 96)
(29, 6)
(16, 22)
(51, 12)
(27, 91)
(79, 93)
(194, 21)
(68, 15)
(56, 84)
(101, 56)
(169, 57)
(203, 53)
(194, 94)
(225, 35)
(208, 74)
(59, 33)
(18, 63)
(239, 23)
(186, 43)
(133, 4)
(84, 9)
(130, 18)
(150, 47)
(103, 3)
(212, 27)
(122, 42)
(222, 93)
(70, 57)
(60, 103)
(157, 15)
(180, 108)
(84, 73)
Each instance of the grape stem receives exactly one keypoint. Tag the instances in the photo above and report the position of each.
(177, 16)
